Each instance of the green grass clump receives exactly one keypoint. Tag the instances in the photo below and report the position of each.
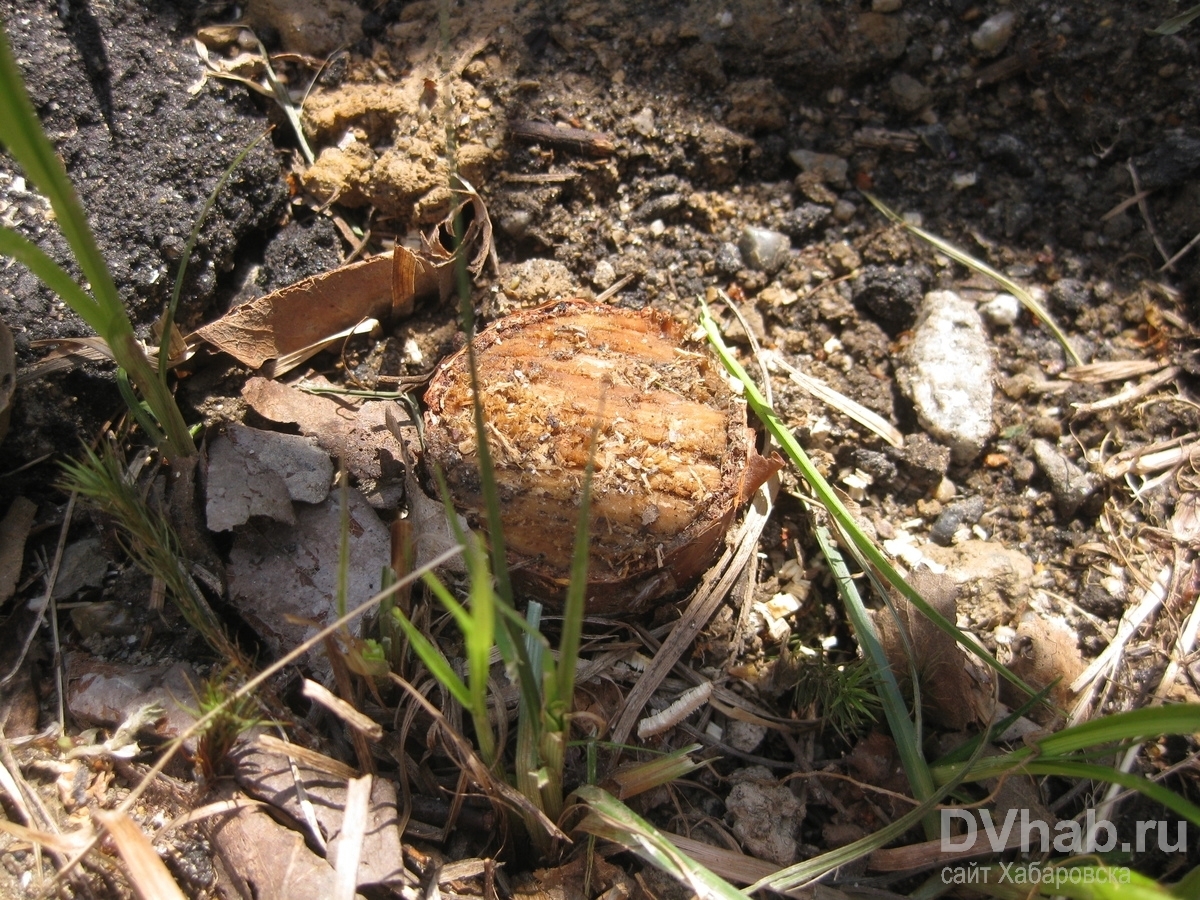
(100, 307)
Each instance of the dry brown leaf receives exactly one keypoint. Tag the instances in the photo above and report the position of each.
(14, 529)
(268, 777)
(947, 687)
(304, 314)
(267, 860)
(289, 325)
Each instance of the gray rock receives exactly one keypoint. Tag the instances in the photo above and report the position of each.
(909, 94)
(993, 35)
(947, 374)
(658, 207)
(1070, 485)
(963, 512)
(259, 473)
(891, 293)
(729, 258)
(1071, 295)
(829, 168)
(804, 219)
(764, 249)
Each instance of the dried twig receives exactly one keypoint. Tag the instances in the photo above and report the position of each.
(1144, 208)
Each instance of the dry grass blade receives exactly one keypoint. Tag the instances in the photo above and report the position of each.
(1026, 298)
(249, 687)
(146, 871)
(701, 606)
(364, 725)
(1156, 457)
(1110, 370)
(1133, 392)
(839, 401)
(354, 828)
(730, 865)
(307, 757)
(67, 843)
(1110, 658)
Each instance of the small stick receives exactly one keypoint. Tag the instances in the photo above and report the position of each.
(1170, 263)
(1145, 210)
(577, 140)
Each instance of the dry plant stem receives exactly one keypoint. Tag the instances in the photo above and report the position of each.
(354, 830)
(47, 599)
(704, 602)
(1144, 208)
(1133, 392)
(1110, 658)
(254, 683)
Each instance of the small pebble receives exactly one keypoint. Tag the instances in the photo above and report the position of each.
(962, 180)
(993, 35)
(728, 259)
(844, 211)
(1071, 295)
(1070, 485)
(643, 123)
(483, 103)
(604, 275)
(908, 93)
(657, 227)
(829, 168)
(1002, 310)
(947, 372)
(964, 512)
(763, 249)
(945, 490)
(516, 223)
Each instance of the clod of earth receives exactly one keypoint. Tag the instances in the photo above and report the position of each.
(673, 456)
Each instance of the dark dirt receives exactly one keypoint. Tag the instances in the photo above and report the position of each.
(1016, 157)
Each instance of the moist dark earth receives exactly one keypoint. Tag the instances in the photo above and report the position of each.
(1015, 131)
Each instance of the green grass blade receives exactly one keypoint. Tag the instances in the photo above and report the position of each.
(438, 666)
(22, 133)
(810, 870)
(836, 510)
(54, 276)
(1134, 725)
(1091, 772)
(612, 820)
(906, 736)
(1027, 299)
(1189, 885)
(1175, 24)
(573, 608)
(138, 409)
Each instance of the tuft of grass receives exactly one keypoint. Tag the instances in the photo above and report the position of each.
(227, 715)
(148, 539)
(100, 307)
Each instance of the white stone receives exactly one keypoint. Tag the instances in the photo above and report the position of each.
(947, 373)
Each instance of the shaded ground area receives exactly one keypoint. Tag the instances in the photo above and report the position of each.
(719, 147)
